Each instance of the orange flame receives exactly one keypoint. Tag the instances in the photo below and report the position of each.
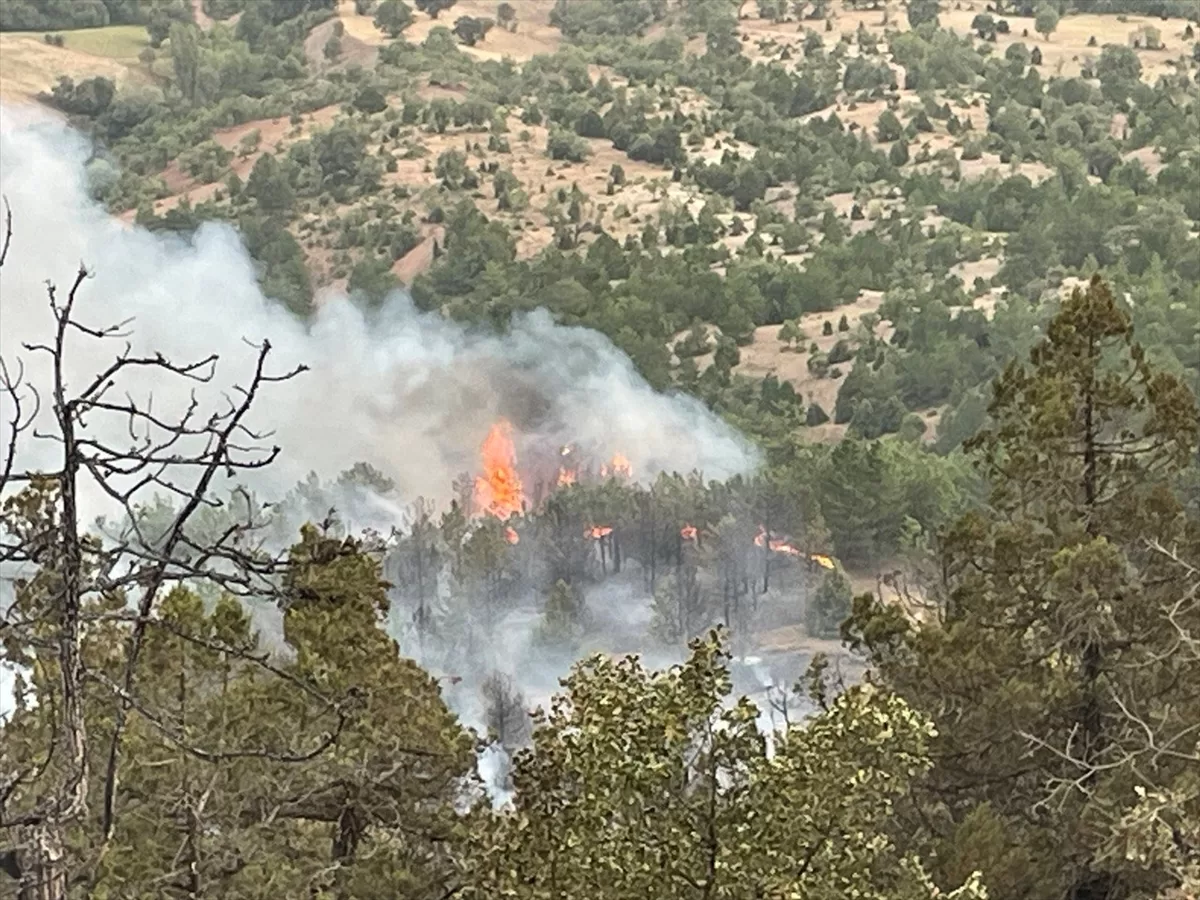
(510, 535)
(778, 544)
(617, 467)
(688, 532)
(567, 476)
(498, 490)
(598, 531)
(620, 466)
(782, 546)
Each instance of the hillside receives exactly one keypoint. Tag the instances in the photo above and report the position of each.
(600, 449)
(822, 166)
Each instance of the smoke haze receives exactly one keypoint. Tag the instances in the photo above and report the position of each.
(410, 393)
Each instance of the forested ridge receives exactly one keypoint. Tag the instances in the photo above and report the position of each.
(938, 261)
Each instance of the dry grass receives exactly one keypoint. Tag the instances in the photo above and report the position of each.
(274, 136)
(1062, 53)
(766, 355)
(28, 65)
(534, 35)
(355, 50)
(1065, 51)
(122, 42)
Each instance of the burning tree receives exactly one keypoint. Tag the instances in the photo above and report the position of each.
(498, 491)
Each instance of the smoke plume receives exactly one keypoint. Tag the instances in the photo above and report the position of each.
(410, 393)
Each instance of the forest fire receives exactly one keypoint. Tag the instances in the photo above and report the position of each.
(688, 532)
(510, 535)
(598, 531)
(498, 490)
(781, 546)
(777, 544)
(617, 467)
(567, 477)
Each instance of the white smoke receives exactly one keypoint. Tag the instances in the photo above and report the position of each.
(412, 394)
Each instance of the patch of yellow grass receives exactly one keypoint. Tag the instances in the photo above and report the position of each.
(123, 42)
(28, 65)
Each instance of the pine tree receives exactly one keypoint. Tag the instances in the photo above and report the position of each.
(1056, 670)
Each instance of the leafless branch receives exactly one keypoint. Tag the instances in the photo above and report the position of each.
(8, 232)
(178, 452)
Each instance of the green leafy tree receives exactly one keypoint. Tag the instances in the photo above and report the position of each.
(452, 169)
(922, 12)
(268, 185)
(392, 17)
(1046, 20)
(185, 60)
(888, 128)
(984, 25)
(1118, 69)
(370, 100)
(506, 16)
(564, 145)
(433, 8)
(471, 29)
(829, 605)
(1060, 624)
(646, 784)
(790, 334)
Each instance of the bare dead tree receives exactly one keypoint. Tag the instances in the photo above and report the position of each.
(123, 449)
(506, 711)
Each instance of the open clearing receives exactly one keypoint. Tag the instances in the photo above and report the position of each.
(122, 42)
(534, 34)
(28, 65)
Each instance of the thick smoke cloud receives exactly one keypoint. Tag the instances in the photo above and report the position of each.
(410, 393)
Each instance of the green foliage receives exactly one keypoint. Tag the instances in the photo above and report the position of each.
(829, 605)
(471, 30)
(641, 784)
(90, 97)
(867, 488)
(40, 15)
(922, 12)
(433, 8)
(370, 100)
(815, 416)
(1046, 20)
(392, 17)
(584, 20)
(1079, 455)
(888, 128)
(453, 171)
(564, 145)
(1118, 69)
(286, 763)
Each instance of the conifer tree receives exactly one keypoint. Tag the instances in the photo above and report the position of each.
(1057, 669)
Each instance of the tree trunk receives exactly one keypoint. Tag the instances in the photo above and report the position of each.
(42, 864)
